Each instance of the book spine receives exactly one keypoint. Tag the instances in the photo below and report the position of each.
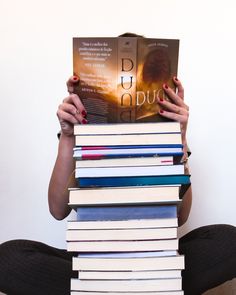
(126, 84)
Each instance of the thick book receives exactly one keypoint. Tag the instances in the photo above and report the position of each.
(133, 261)
(123, 162)
(129, 275)
(122, 224)
(128, 139)
(121, 234)
(122, 246)
(145, 285)
(102, 129)
(129, 171)
(121, 77)
(123, 195)
(126, 212)
(184, 180)
(128, 293)
(114, 152)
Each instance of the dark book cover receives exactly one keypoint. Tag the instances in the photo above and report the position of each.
(121, 77)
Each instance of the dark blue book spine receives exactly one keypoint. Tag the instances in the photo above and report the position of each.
(133, 181)
(126, 212)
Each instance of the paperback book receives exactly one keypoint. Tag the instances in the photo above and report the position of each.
(121, 77)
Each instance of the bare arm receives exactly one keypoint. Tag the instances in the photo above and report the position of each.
(71, 111)
(177, 110)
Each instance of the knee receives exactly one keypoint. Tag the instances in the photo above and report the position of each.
(10, 255)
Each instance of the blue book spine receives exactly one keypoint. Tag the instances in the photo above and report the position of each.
(133, 181)
(126, 212)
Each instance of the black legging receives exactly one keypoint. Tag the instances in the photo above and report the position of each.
(33, 268)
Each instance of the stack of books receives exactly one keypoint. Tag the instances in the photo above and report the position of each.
(128, 178)
(128, 171)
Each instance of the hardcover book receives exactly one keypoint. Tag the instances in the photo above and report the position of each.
(124, 195)
(121, 77)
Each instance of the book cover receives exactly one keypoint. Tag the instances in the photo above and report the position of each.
(126, 212)
(123, 195)
(121, 77)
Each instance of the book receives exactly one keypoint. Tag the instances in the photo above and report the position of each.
(128, 139)
(127, 293)
(122, 224)
(184, 180)
(123, 162)
(121, 234)
(133, 261)
(86, 153)
(129, 171)
(145, 285)
(126, 212)
(121, 77)
(122, 246)
(102, 129)
(128, 275)
(123, 195)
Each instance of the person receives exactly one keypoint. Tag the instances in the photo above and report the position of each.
(33, 268)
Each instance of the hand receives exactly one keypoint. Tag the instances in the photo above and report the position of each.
(71, 111)
(175, 108)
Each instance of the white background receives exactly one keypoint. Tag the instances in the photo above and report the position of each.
(36, 60)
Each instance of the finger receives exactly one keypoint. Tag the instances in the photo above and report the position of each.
(174, 97)
(174, 108)
(179, 86)
(73, 80)
(65, 116)
(182, 118)
(75, 100)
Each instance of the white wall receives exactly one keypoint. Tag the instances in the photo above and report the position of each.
(36, 60)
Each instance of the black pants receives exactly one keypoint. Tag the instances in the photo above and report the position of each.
(33, 268)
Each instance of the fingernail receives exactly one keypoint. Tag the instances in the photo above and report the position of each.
(75, 78)
(84, 113)
(84, 121)
(161, 99)
(165, 86)
(161, 111)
